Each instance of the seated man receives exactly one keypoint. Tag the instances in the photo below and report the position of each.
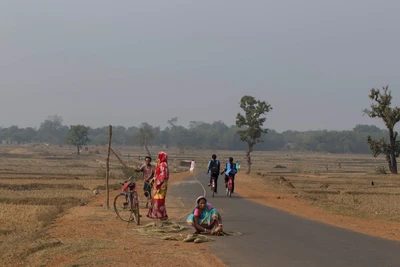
(205, 218)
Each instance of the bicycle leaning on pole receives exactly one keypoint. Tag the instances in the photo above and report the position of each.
(126, 203)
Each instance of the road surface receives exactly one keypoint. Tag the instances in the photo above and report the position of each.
(276, 238)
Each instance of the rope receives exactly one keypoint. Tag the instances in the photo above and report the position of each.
(204, 189)
(195, 204)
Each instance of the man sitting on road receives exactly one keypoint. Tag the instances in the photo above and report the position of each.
(230, 170)
(214, 167)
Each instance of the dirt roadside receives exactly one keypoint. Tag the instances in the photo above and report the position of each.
(91, 235)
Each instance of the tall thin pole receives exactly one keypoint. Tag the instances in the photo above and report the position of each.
(108, 167)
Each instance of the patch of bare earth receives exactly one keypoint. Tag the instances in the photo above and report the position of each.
(91, 235)
(20, 151)
(253, 188)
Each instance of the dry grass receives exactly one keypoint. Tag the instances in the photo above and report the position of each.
(38, 184)
(20, 218)
(344, 190)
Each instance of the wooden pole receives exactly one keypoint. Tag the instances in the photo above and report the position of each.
(120, 160)
(108, 167)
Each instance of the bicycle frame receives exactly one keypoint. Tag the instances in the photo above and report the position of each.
(230, 181)
(129, 190)
(229, 186)
(131, 198)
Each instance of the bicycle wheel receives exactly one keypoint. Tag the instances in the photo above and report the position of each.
(229, 192)
(213, 187)
(121, 207)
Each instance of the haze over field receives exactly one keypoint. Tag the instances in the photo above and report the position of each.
(101, 62)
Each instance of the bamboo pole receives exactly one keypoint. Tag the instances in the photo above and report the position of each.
(108, 167)
(120, 160)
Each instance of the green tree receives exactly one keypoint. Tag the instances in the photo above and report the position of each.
(78, 136)
(251, 124)
(172, 122)
(390, 115)
(145, 136)
(366, 128)
(52, 130)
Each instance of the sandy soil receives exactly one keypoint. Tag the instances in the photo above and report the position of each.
(91, 235)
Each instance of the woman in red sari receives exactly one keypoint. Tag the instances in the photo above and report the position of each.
(157, 209)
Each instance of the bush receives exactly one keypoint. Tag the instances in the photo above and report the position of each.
(381, 170)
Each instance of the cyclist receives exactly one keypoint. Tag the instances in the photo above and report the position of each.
(148, 174)
(230, 170)
(237, 166)
(214, 167)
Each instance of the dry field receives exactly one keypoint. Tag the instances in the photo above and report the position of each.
(39, 184)
(344, 189)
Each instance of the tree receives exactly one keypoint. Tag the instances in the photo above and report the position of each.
(145, 135)
(390, 116)
(52, 130)
(78, 136)
(250, 125)
(172, 122)
(366, 129)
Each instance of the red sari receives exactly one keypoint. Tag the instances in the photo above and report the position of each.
(157, 209)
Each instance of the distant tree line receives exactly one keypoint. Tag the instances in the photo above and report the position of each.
(247, 134)
(201, 135)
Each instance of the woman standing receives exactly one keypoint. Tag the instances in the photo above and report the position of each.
(157, 209)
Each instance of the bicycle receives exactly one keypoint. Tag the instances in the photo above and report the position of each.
(229, 186)
(126, 203)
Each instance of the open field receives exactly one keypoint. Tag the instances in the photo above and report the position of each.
(346, 190)
(39, 184)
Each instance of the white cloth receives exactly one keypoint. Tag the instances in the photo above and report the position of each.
(192, 164)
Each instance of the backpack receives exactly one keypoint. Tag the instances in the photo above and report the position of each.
(233, 168)
(214, 167)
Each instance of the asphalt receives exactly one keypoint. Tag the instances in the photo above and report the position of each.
(271, 237)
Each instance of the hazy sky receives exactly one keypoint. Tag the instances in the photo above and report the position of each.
(124, 62)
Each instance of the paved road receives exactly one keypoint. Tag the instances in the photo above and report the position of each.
(275, 238)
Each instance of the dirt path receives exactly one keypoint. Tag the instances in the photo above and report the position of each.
(254, 189)
(92, 236)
